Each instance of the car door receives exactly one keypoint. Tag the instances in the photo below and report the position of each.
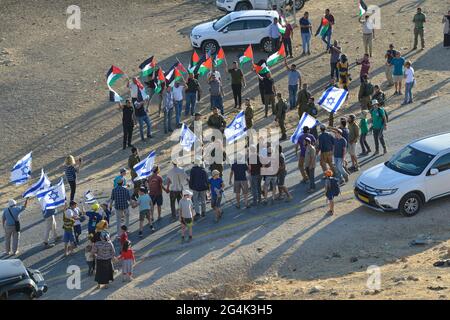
(438, 185)
(232, 34)
(256, 30)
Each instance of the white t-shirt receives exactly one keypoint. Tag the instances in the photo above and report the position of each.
(367, 27)
(133, 90)
(216, 73)
(178, 93)
(409, 75)
(177, 178)
(73, 213)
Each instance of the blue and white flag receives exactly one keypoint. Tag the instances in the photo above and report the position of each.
(187, 138)
(21, 171)
(236, 129)
(43, 183)
(144, 168)
(332, 99)
(89, 197)
(305, 121)
(52, 197)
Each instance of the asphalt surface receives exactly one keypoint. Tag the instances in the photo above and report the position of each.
(406, 123)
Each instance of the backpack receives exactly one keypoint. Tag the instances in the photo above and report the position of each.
(335, 189)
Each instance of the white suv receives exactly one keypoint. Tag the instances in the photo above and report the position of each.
(235, 29)
(238, 5)
(418, 173)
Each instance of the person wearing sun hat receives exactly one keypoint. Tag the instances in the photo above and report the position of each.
(94, 217)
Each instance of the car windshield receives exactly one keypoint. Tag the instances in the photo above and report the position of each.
(409, 161)
(219, 24)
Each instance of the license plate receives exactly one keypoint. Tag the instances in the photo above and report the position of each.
(362, 198)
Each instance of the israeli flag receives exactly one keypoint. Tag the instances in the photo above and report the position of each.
(89, 197)
(144, 168)
(43, 183)
(52, 197)
(187, 138)
(236, 129)
(305, 121)
(21, 172)
(332, 99)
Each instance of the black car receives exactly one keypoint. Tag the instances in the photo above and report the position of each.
(20, 283)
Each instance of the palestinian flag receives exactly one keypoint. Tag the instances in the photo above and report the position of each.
(324, 26)
(277, 56)
(247, 56)
(113, 75)
(160, 81)
(282, 29)
(205, 67)
(261, 69)
(148, 67)
(181, 68)
(194, 61)
(114, 97)
(220, 57)
(176, 76)
(362, 8)
(142, 94)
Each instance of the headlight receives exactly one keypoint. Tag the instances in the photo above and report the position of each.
(385, 192)
(196, 36)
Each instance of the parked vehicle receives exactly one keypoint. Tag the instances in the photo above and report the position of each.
(235, 29)
(417, 174)
(20, 283)
(238, 5)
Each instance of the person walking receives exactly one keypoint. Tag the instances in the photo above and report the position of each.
(364, 131)
(378, 95)
(446, 22)
(390, 54)
(50, 227)
(104, 252)
(168, 106)
(216, 93)
(270, 174)
(379, 124)
(306, 32)
(192, 94)
(155, 189)
(239, 171)
(248, 113)
(255, 175)
(198, 183)
(127, 122)
(294, 82)
(365, 93)
(301, 155)
(11, 226)
(419, 20)
(120, 198)
(177, 92)
(72, 167)
(133, 160)
(275, 35)
(326, 37)
(186, 212)
(335, 54)
(281, 109)
(332, 190)
(368, 32)
(310, 163)
(281, 176)
(303, 99)
(410, 80)
(237, 82)
(144, 202)
(269, 93)
(398, 63)
(216, 189)
(325, 148)
(128, 260)
(143, 118)
(353, 138)
(365, 66)
(340, 150)
(176, 178)
(288, 36)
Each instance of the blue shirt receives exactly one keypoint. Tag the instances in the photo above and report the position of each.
(15, 213)
(326, 142)
(216, 185)
(339, 145)
(398, 64)
(274, 32)
(94, 218)
(144, 202)
(71, 173)
(304, 22)
(118, 178)
(120, 196)
(345, 133)
(239, 171)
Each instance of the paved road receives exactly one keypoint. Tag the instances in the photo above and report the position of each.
(406, 123)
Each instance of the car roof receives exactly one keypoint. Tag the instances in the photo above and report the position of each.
(433, 144)
(253, 14)
(11, 268)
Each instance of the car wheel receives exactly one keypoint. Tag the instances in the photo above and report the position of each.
(410, 204)
(266, 45)
(243, 6)
(299, 4)
(210, 46)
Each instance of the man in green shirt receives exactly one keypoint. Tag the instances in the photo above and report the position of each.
(280, 116)
(379, 123)
(418, 20)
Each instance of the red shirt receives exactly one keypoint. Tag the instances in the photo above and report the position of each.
(155, 183)
(123, 238)
(127, 255)
(287, 33)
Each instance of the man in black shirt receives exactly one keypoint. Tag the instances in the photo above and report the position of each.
(237, 82)
(127, 122)
(192, 93)
(269, 92)
(255, 175)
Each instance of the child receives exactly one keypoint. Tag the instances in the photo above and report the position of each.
(89, 255)
(94, 218)
(106, 212)
(186, 212)
(216, 186)
(364, 128)
(128, 259)
(332, 190)
(123, 235)
(68, 223)
(145, 206)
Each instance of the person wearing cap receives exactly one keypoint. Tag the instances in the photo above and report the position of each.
(120, 198)
(121, 176)
(368, 31)
(192, 93)
(198, 183)
(248, 113)
(340, 150)
(177, 92)
(168, 101)
(216, 186)
(378, 95)
(310, 163)
(216, 93)
(365, 92)
(353, 137)
(301, 155)
(325, 148)
(11, 225)
(379, 124)
(145, 207)
(155, 190)
(175, 180)
(216, 120)
(186, 212)
(94, 217)
(281, 109)
(390, 54)
(364, 130)
(237, 82)
(50, 227)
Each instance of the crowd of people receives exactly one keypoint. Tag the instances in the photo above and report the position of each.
(261, 167)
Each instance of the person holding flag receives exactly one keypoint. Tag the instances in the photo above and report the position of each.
(275, 35)
(269, 92)
(325, 29)
(301, 155)
(237, 82)
(368, 31)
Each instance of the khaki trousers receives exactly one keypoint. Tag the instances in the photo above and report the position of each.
(11, 233)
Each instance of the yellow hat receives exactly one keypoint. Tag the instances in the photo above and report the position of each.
(95, 206)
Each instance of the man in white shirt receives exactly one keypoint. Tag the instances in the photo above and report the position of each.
(133, 90)
(409, 83)
(177, 92)
(176, 178)
(275, 35)
(368, 34)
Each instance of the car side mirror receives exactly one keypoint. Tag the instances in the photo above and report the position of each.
(434, 172)
(225, 30)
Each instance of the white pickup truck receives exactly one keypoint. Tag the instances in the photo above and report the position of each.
(238, 5)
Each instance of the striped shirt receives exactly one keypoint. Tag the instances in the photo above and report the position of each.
(104, 250)
(71, 173)
(120, 196)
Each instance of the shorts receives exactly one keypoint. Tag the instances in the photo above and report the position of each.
(280, 178)
(352, 149)
(68, 237)
(215, 202)
(144, 214)
(270, 180)
(186, 221)
(241, 185)
(329, 196)
(398, 78)
(157, 200)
